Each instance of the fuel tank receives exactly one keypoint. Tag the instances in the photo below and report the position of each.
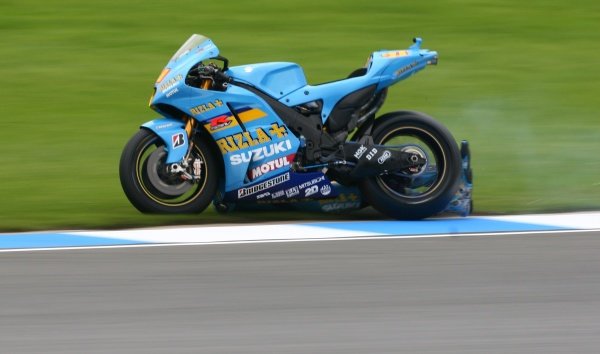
(276, 79)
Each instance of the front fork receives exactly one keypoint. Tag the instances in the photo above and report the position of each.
(190, 122)
(182, 168)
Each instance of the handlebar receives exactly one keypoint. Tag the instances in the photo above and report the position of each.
(223, 77)
(215, 73)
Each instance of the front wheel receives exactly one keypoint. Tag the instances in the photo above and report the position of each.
(417, 192)
(151, 188)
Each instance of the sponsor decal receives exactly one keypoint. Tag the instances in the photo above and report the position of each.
(269, 166)
(205, 107)
(384, 157)
(245, 115)
(406, 68)
(360, 151)
(261, 152)
(395, 54)
(290, 192)
(342, 202)
(292, 186)
(219, 122)
(247, 139)
(263, 195)
(311, 190)
(178, 140)
(312, 187)
(277, 194)
(312, 182)
(171, 83)
(172, 92)
(245, 192)
(371, 154)
(163, 126)
(242, 140)
(278, 131)
(340, 206)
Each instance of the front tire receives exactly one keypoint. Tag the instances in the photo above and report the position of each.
(151, 189)
(419, 192)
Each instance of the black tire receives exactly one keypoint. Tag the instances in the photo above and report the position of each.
(414, 195)
(151, 190)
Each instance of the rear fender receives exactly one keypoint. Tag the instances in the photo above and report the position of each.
(173, 134)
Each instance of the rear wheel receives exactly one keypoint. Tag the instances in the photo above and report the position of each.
(149, 185)
(417, 192)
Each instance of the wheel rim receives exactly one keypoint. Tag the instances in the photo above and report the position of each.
(164, 188)
(420, 183)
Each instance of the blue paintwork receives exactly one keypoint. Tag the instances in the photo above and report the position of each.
(276, 79)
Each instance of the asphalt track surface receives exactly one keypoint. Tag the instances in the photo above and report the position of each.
(533, 293)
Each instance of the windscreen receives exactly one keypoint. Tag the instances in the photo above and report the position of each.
(193, 42)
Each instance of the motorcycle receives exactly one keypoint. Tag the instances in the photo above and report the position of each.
(259, 134)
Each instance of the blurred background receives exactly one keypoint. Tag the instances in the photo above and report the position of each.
(519, 80)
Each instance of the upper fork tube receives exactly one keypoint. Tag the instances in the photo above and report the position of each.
(206, 84)
(190, 122)
(189, 126)
(189, 129)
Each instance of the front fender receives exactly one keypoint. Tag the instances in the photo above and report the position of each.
(172, 132)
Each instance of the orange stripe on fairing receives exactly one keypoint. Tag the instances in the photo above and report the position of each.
(251, 115)
(162, 75)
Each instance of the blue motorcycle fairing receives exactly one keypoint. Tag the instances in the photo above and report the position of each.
(384, 68)
(276, 79)
(330, 93)
(173, 134)
(255, 143)
(408, 63)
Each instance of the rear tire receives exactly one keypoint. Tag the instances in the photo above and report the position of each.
(151, 189)
(417, 194)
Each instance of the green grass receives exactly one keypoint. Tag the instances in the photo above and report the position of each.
(519, 80)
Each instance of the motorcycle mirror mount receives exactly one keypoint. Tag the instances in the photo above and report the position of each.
(417, 43)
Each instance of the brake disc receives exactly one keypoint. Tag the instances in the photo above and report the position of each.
(166, 183)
